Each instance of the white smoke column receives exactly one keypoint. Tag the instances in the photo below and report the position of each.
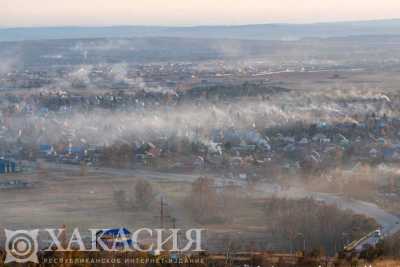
(196, 121)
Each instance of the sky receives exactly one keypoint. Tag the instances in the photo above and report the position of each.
(29, 13)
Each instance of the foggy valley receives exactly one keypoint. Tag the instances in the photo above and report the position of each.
(275, 146)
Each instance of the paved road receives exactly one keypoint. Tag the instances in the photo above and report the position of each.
(389, 222)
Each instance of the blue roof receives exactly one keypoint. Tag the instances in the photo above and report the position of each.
(7, 160)
(73, 149)
(45, 147)
(115, 231)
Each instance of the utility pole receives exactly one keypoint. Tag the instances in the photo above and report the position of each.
(162, 212)
(173, 220)
(163, 215)
(179, 236)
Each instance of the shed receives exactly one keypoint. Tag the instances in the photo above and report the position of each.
(7, 166)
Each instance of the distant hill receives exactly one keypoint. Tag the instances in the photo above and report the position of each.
(246, 32)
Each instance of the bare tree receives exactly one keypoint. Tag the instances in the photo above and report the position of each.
(120, 198)
(144, 195)
(203, 201)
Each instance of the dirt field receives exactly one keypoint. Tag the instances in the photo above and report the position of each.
(61, 195)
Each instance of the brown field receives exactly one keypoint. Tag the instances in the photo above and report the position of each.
(62, 196)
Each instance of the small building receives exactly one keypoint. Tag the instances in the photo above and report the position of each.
(7, 166)
(46, 150)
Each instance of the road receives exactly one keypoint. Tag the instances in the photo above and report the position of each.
(389, 223)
